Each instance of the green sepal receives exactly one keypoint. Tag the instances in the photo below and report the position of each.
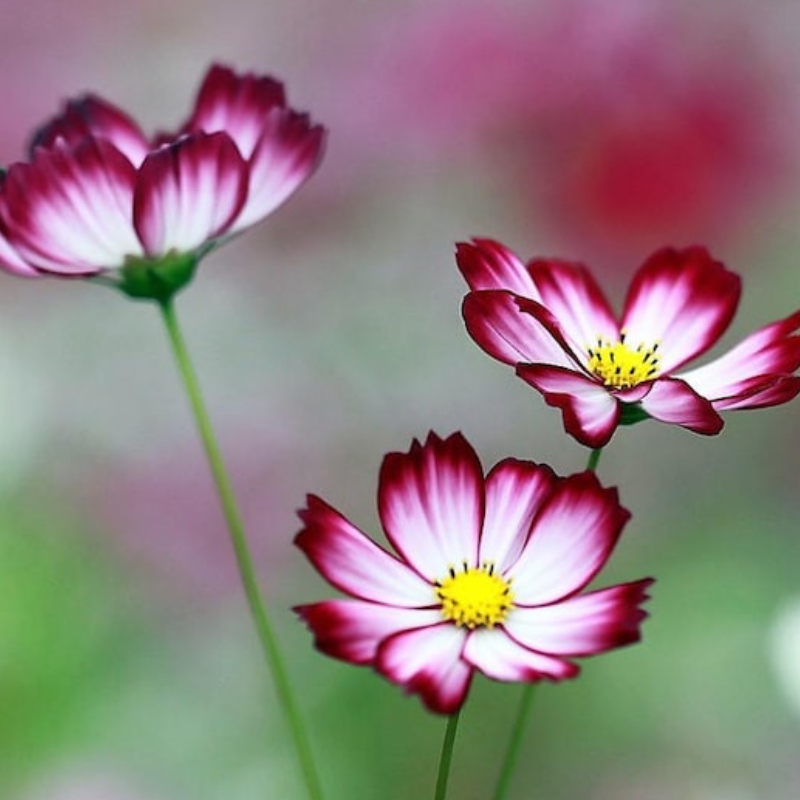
(156, 279)
(632, 413)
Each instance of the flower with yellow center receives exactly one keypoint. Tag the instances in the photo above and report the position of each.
(551, 321)
(474, 597)
(443, 608)
(621, 367)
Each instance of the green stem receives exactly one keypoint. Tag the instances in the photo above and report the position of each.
(447, 756)
(258, 611)
(515, 742)
(594, 458)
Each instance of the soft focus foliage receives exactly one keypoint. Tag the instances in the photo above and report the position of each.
(331, 334)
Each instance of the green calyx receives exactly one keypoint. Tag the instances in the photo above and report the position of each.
(631, 413)
(156, 279)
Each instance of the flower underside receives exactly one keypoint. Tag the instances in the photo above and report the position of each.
(475, 597)
(621, 367)
(157, 278)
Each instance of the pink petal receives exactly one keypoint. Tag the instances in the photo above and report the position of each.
(573, 297)
(761, 393)
(427, 661)
(486, 264)
(355, 564)
(515, 491)
(11, 260)
(282, 147)
(583, 625)
(235, 104)
(766, 354)
(91, 116)
(591, 413)
(572, 538)
(431, 504)
(499, 657)
(285, 157)
(511, 329)
(69, 211)
(352, 630)
(188, 193)
(682, 299)
(671, 400)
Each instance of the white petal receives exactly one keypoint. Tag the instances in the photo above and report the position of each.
(499, 657)
(772, 350)
(352, 630)
(515, 490)
(70, 210)
(572, 295)
(510, 329)
(431, 504)
(572, 538)
(428, 661)
(286, 156)
(354, 563)
(486, 264)
(582, 625)
(591, 413)
(188, 193)
(682, 299)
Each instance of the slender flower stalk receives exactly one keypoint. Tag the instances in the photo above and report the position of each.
(523, 711)
(100, 200)
(447, 756)
(515, 742)
(244, 560)
(594, 459)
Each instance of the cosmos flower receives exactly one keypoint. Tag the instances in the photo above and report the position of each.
(98, 196)
(550, 320)
(488, 575)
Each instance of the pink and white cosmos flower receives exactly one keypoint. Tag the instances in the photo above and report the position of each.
(98, 194)
(488, 575)
(551, 320)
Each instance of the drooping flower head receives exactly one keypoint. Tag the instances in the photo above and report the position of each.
(488, 575)
(98, 196)
(551, 320)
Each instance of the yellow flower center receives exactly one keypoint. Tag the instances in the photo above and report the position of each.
(620, 366)
(474, 598)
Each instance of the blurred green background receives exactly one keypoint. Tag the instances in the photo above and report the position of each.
(331, 334)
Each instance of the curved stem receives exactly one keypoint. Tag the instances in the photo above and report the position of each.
(447, 756)
(238, 539)
(515, 742)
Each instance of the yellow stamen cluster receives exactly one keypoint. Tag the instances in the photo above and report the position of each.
(620, 366)
(474, 597)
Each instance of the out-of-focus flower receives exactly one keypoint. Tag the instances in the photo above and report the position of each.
(671, 125)
(488, 577)
(550, 320)
(785, 651)
(619, 123)
(83, 784)
(99, 196)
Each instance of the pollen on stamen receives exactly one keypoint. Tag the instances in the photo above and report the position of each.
(476, 597)
(619, 366)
